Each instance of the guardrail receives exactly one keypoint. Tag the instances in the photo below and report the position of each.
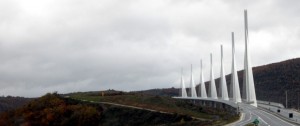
(228, 102)
(279, 110)
(279, 105)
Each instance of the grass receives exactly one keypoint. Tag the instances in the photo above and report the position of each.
(160, 103)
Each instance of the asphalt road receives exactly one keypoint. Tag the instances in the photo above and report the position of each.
(250, 113)
(265, 119)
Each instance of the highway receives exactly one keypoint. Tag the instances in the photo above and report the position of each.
(265, 119)
(250, 113)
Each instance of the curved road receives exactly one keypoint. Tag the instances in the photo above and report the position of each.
(250, 113)
(265, 119)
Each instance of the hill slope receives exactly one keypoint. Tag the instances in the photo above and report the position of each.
(161, 104)
(10, 103)
(272, 80)
(52, 109)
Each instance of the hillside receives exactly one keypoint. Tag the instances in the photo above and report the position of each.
(161, 92)
(162, 104)
(272, 80)
(53, 109)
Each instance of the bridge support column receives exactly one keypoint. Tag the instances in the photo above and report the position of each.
(213, 90)
(248, 82)
(223, 85)
(193, 88)
(234, 86)
(210, 103)
(182, 93)
(214, 104)
(202, 87)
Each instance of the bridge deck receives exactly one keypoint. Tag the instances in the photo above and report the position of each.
(231, 103)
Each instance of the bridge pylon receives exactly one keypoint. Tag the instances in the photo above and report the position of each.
(182, 92)
(234, 86)
(213, 91)
(192, 83)
(223, 84)
(248, 81)
(202, 88)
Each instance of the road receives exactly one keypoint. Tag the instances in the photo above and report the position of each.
(250, 113)
(283, 112)
(265, 119)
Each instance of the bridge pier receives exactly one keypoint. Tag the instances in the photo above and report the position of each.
(228, 106)
(214, 104)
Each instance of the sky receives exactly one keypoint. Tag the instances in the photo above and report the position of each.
(76, 45)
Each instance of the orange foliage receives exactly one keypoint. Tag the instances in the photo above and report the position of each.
(52, 109)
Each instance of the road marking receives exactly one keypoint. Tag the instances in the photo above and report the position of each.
(262, 119)
(247, 121)
(259, 111)
(278, 118)
(246, 112)
(246, 108)
(237, 122)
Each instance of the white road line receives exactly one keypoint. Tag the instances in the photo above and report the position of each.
(262, 119)
(263, 115)
(244, 122)
(246, 112)
(237, 122)
(279, 118)
(247, 108)
(259, 111)
(247, 121)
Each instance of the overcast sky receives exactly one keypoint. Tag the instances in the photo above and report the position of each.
(80, 45)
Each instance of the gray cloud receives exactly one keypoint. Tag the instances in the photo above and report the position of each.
(75, 45)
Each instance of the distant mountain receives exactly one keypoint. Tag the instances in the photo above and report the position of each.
(160, 92)
(97, 93)
(10, 103)
(272, 80)
(55, 110)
